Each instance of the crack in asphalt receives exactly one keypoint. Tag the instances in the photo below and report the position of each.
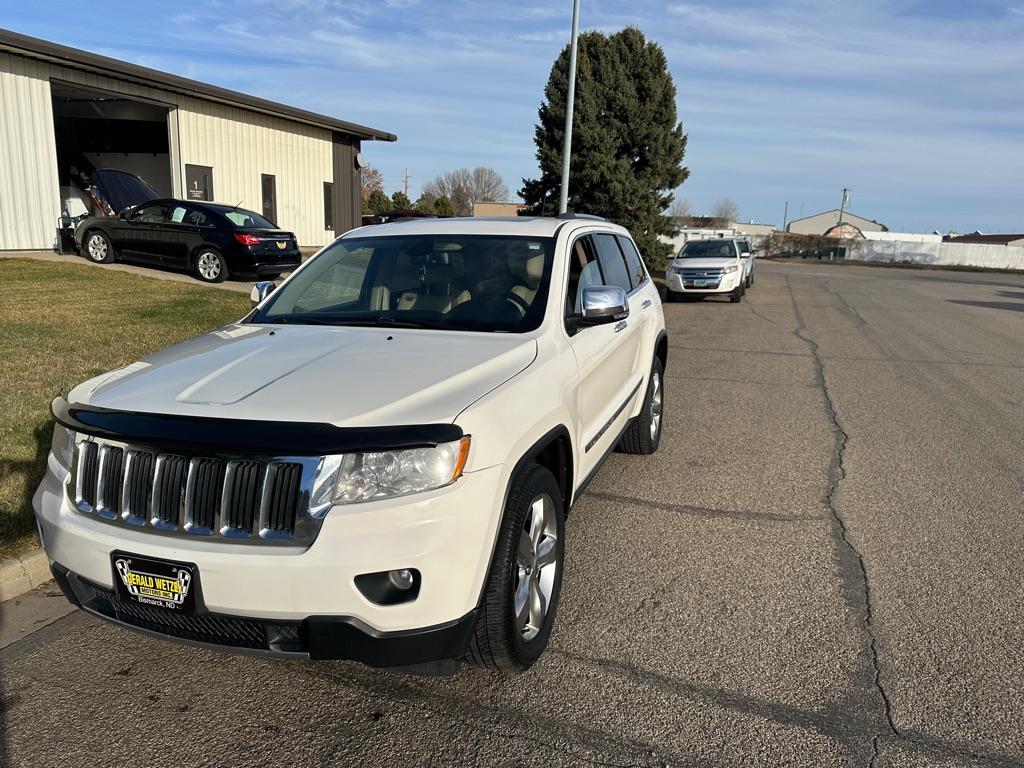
(836, 475)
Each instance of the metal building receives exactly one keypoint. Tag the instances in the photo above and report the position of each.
(65, 112)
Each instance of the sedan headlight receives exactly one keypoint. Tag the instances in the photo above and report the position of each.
(62, 445)
(729, 269)
(675, 266)
(349, 478)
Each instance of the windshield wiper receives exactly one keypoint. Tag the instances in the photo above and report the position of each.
(300, 319)
(365, 322)
(403, 322)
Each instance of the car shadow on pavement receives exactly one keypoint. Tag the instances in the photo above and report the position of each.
(1011, 306)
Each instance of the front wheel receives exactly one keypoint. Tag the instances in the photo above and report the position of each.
(520, 600)
(737, 294)
(211, 266)
(643, 435)
(98, 248)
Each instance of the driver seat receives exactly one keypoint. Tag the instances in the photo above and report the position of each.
(528, 267)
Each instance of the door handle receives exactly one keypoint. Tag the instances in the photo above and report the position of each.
(620, 326)
(646, 304)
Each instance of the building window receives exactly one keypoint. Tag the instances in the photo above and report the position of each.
(198, 182)
(269, 184)
(328, 205)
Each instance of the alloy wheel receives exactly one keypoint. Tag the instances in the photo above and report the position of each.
(655, 405)
(97, 247)
(536, 566)
(208, 265)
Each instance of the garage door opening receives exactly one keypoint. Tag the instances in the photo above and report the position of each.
(96, 130)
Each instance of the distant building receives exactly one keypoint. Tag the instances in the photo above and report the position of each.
(752, 229)
(903, 237)
(497, 209)
(988, 239)
(820, 223)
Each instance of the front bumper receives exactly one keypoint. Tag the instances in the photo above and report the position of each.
(730, 282)
(315, 637)
(447, 535)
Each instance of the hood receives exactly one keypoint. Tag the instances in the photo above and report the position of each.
(119, 190)
(343, 376)
(719, 261)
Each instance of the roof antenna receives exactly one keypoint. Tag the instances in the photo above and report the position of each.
(238, 204)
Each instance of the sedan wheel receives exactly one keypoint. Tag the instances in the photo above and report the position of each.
(98, 248)
(211, 267)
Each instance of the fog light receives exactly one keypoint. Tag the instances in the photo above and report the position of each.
(401, 585)
(402, 579)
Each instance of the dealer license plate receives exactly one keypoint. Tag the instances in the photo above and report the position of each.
(159, 583)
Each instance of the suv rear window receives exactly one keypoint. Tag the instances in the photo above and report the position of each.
(637, 272)
(612, 264)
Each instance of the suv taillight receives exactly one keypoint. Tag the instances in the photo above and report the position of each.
(247, 239)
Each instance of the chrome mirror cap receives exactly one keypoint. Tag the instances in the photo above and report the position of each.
(261, 290)
(604, 304)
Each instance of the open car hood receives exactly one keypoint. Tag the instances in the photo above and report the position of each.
(116, 190)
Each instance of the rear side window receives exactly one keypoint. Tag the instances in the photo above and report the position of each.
(637, 273)
(613, 266)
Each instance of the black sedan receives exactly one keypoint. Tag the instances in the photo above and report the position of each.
(209, 240)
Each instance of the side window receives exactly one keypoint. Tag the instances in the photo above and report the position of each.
(637, 273)
(744, 246)
(584, 270)
(197, 218)
(613, 266)
(151, 214)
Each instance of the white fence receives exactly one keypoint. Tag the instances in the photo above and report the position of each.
(945, 254)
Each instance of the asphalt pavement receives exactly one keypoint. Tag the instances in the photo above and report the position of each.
(822, 566)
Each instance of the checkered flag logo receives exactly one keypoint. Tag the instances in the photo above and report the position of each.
(184, 579)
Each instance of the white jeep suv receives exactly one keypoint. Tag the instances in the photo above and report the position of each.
(376, 463)
(708, 268)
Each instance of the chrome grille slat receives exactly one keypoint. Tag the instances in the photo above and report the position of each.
(110, 481)
(247, 499)
(168, 492)
(138, 487)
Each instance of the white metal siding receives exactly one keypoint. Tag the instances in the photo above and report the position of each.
(237, 143)
(29, 192)
(241, 145)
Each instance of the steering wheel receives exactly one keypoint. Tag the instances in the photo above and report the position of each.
(517, 301)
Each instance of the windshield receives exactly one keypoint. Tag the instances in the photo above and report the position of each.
(451, 282)
(243, 218)
(708, 249)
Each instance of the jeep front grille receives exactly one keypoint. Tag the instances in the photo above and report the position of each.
(245, 499)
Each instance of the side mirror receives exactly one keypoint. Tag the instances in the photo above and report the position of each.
(261, 290)
(123, 215)
(745, 255)
(603, 304)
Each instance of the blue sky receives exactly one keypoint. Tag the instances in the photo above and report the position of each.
(916, 105)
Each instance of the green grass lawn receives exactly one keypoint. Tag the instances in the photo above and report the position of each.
(61, 324)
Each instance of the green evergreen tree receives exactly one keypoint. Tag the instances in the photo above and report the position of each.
(378, 202)
(443, 207)
(425, 203)
(627, 145)
(401, 202)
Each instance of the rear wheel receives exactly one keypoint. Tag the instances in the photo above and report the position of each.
(643, 435)
(210, 266)
(98, 248)
(520, 600)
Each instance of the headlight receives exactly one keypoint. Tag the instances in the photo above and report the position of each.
(348, 478)
(62, 444)
(675, 267)
(729, 269)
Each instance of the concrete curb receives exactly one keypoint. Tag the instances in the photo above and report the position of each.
(23, 574)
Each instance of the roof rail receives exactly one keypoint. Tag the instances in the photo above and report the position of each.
(571, 215)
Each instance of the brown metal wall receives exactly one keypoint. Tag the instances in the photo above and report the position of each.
(348, 198)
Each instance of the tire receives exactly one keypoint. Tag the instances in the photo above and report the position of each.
(737, 294)
(643, 435)
(501, 641)
(210, 266)
(671, 297)
(97, 248)
(750, 280)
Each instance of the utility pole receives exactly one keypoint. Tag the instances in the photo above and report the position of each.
(563, 198)
(842, 205)
(405, 183)
(785, 216)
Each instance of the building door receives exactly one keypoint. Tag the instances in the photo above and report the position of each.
(269, 184)
(199, 182)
